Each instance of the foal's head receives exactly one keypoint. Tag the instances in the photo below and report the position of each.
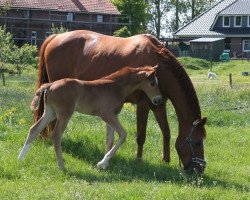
(149, 84)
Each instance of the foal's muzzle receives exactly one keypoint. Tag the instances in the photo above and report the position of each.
(157, 100)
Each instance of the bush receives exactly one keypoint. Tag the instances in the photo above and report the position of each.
(123, 32)
(194, 63)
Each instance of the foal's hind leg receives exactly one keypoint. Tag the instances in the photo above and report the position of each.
(36, 129)
(60, 126)
(115, 124)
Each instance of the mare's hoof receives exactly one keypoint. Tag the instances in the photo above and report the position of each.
(139, 159)
(166, 160)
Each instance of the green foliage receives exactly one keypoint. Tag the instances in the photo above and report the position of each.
(10, 54)
(226, 149)
(57, 30)
(123, 32)
(137, 11)
(194, 63)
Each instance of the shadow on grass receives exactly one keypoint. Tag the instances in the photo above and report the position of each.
(132, 170)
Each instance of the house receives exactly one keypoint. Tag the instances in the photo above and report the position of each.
(30, 21)
(229, 20)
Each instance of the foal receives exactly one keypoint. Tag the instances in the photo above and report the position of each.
(103, 97)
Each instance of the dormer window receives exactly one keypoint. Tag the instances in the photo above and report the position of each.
(226, 21)
(237, 21)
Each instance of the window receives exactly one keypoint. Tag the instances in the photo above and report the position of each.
(248, 21)
(237, 21)
(70, 17)
(226, 21)
(99, 18)
(246, 45)
(33, 37)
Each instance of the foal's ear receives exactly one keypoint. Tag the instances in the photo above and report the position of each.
(156, 66)
(146, 73)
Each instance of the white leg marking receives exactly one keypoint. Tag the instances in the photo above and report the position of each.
(23, 151)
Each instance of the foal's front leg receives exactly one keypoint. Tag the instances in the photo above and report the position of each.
(109, 138)
(115, 124)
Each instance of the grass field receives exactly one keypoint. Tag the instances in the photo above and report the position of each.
(37, 177)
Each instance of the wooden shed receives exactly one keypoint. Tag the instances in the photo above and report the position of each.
(207, 48)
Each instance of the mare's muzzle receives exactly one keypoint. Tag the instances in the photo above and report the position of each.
(157, 100)
(196, 165)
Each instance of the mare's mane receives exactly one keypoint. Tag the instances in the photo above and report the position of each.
(180, 74)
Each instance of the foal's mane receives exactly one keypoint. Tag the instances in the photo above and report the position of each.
(125, 72)
(172, 64)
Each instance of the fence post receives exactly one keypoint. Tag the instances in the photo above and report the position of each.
(230, 80)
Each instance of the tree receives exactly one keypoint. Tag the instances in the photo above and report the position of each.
(10, 54)
(137, 11)
(57, 30)
(186, 10)
(123, 32)
(157, 10)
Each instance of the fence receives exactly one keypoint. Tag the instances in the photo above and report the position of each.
(211, 54)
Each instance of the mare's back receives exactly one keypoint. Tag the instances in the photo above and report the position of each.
(88, 56)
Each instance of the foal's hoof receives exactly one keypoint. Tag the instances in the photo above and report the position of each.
(102, 165)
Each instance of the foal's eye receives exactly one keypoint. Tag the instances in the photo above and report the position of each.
(198, 144)
(152, 84)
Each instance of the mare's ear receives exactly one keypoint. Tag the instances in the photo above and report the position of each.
(203, 121)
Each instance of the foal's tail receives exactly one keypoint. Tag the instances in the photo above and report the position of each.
(42, 75)
(37, 98)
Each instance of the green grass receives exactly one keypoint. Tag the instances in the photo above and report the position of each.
(37, 177)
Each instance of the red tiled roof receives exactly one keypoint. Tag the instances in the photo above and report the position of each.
(97, 6)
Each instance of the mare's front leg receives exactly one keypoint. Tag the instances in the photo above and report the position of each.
(142, 119)
(161, 117)
(115, 124)
(60, 126)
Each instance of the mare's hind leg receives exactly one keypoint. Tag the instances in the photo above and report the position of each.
(109, 137)
(115, 124)
(161, 117)
(142, 118)
(60, 126)
(36, 129)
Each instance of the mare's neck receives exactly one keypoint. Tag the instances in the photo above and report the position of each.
(179, 89)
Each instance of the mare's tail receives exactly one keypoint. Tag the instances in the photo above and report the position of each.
(42, 78)
(37, 98)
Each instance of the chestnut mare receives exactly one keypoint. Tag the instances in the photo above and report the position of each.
(102, 97)
(88, 55)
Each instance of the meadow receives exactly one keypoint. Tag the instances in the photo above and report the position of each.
(37, 177)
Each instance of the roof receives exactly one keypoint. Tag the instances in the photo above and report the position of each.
(200, 26)
(94, 6)
(240, 7)
(207, 40)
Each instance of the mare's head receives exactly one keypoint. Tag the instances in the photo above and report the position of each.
(190, 147)
(149, 83)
